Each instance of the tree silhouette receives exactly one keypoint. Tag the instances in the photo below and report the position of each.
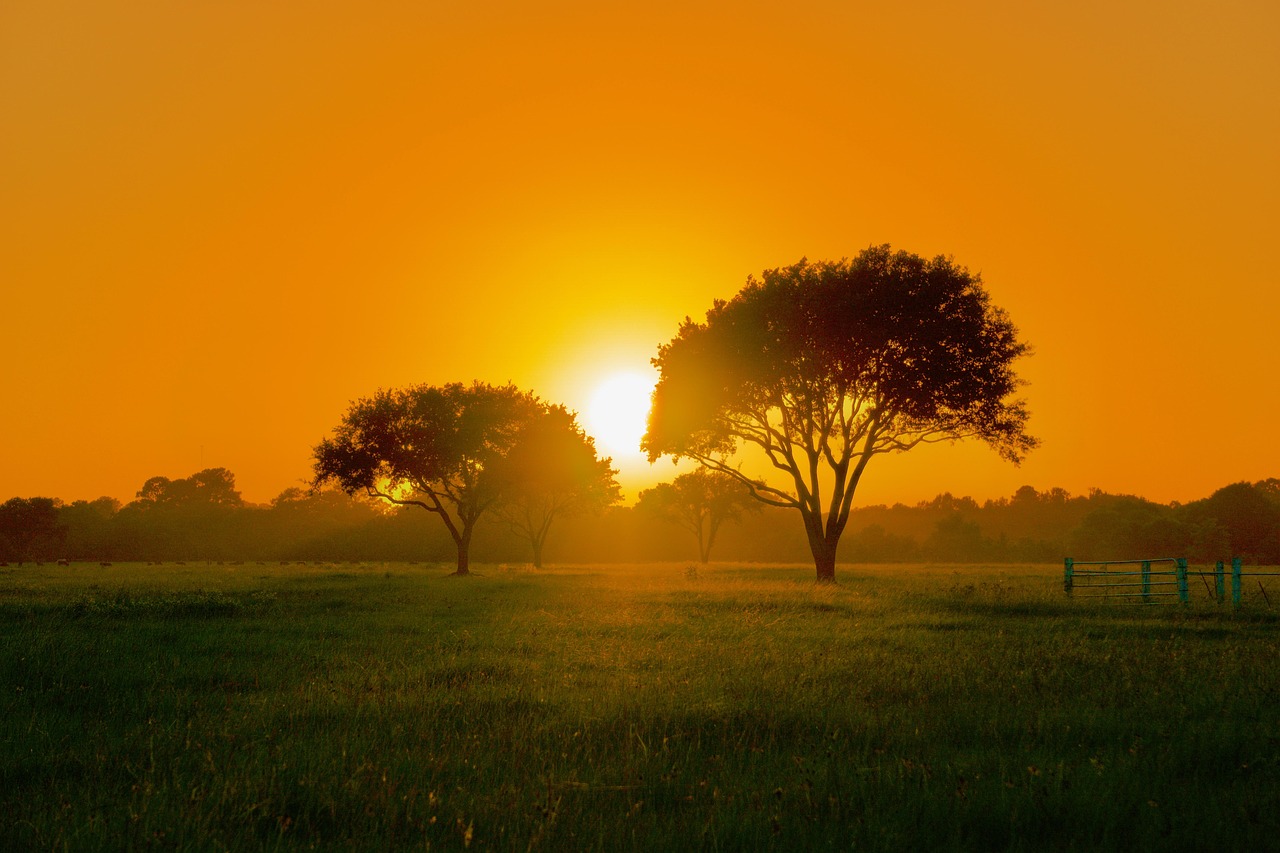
(194, 516)
(30, 529)
(90, 528)
(437, 448)
(1249, 516)
(208, 488)
(550, 472)
(699, 501)
(823, 366)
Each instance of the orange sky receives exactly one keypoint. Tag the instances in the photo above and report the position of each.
(221, 222)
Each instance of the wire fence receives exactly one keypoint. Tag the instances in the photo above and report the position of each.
(1134, 582)
(1159, 580)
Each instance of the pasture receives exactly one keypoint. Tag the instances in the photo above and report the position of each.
(390, 706)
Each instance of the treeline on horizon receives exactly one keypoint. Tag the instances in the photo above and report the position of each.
(203, 517)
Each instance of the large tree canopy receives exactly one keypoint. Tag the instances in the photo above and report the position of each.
(823, 366)
(438, 448)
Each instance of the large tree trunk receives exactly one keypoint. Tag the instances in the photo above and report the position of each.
(537, 552)
(824, 559)
(824, 551)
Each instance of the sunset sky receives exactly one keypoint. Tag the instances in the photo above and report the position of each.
(220, 222)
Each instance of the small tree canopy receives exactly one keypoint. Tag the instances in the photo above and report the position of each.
(700, 502)
(823, 366)
(552, 471)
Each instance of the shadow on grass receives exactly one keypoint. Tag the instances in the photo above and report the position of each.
(124, 605)
(1136, 619)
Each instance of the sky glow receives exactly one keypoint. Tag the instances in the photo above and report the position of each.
(223, 222)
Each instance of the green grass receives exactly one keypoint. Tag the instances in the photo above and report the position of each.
(392, 706)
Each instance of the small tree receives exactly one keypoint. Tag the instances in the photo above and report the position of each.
(699, 501)
(821, 367)
(437, 448)
(550, 472)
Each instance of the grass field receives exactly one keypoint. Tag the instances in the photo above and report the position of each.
(391, 706)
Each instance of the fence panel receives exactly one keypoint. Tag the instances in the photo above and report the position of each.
(1096, 579)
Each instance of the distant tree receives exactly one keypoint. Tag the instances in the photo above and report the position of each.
(1124, 527)
(700, 502)
(874, 544)
(955, 537)
(1248, 515)
(436, 448)
(550, 472)
(190, 517)
(1269, 487)
(30, 529)
(210, 487)
(89, 525)
(948, 504)
(823, 366)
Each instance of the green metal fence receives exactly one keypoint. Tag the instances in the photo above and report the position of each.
(1153, 581)
(1238, 574)
(1127, 584)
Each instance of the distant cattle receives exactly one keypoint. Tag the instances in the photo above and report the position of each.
(64, 562)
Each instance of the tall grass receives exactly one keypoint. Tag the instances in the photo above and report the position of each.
(392, 706)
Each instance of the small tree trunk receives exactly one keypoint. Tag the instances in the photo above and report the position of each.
(537, 553)
(705, 539)
(464, 552)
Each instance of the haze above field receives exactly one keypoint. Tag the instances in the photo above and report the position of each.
(222, 222)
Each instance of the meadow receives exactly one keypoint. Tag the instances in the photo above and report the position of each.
(391, 706)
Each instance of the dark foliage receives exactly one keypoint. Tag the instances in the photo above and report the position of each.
(30, 529)
(1029, 526)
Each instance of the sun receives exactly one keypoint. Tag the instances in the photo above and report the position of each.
(619, 409)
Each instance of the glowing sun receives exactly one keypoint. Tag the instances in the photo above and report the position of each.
(618, 412)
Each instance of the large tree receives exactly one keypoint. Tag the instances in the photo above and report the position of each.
(437, 448)
(700, 502)
(823, 366)
(552, 471)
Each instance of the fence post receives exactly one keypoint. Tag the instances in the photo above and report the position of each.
(1219, 583)
(1068, 574)
(1146, 581)
(1235, 581)
(1184, 594)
